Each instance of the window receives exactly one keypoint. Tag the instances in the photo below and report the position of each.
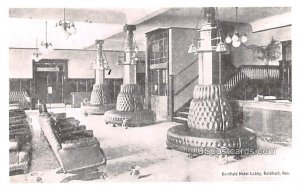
(159, 46)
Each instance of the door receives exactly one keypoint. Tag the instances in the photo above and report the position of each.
(49, 81)
(159, 93)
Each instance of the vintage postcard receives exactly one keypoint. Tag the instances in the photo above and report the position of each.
(199, 93)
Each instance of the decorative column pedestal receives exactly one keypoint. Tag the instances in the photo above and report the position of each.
(210, 125)
(129, 110)
(100, 99)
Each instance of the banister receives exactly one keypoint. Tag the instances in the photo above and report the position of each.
(185, 68)
(246, 72)
(186, 85)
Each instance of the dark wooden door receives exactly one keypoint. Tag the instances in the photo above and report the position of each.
(49, 80)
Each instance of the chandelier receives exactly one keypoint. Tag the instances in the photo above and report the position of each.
(68, 27)
(36, 56)
(46, 46)
(236, 38)
(130, 53)
(208, 23)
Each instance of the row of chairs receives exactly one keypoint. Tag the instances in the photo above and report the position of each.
(75, 147)
(20, 147)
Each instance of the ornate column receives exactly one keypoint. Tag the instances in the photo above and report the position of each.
(129, 70)
(99, 69)
(100, 99)
(129, 108)
(210, 123)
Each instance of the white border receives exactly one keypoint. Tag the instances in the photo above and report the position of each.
(4, 182)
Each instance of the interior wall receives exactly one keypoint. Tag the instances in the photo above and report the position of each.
(244, 56)
(181, 40)
(79, 63)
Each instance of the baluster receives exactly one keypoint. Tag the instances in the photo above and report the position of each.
(272, 73)
(242, 76)
(235, 79)
(256, 73)
(261, 73)
(266, 73)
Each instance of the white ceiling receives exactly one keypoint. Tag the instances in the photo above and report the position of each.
(28, 24)
(107, 24)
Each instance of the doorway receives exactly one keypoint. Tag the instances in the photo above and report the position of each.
(49, 80)
(159, 92)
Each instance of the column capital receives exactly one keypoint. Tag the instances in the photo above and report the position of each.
(99, 42)
(209, 14)
(129, 28)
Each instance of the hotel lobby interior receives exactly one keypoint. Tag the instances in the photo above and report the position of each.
(150, 94)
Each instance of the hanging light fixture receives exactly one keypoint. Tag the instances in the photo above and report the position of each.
(46, 46)
(236, 39)
(36, 56)
(133, 51)
(198, 44)
(68, 27)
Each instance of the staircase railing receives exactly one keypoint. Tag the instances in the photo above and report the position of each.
(184, 83)
(252, 72)
(185, 80)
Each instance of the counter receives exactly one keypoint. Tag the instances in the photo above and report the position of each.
(267, 117)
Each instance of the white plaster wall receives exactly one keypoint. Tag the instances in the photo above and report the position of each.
(79, 63)
(244, 56)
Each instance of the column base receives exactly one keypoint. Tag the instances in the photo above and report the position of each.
(130, 119)
(97, 109)
(195, 141)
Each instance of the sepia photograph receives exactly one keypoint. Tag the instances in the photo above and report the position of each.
(149, 94)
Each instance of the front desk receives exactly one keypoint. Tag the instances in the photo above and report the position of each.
(273, 118)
